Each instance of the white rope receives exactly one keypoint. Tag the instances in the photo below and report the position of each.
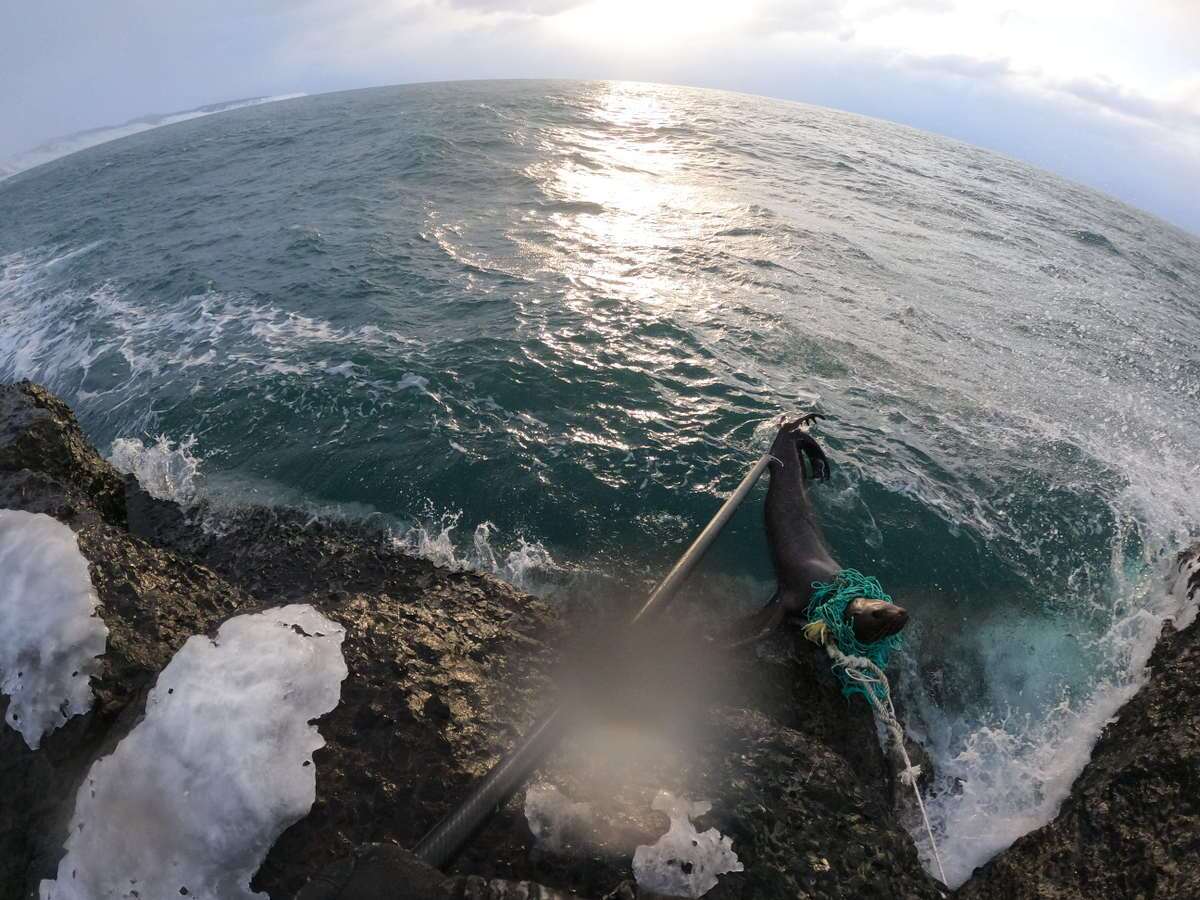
(862, 671)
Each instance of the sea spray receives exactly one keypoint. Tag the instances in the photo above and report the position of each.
(527, 565)
(167, 471)
(170, 470)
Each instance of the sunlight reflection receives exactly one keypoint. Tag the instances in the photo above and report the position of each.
(631, 196)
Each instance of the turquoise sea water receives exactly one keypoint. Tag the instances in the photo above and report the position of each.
(560, 317)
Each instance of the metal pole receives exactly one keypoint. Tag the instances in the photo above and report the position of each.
(665, 592)
(447, 837)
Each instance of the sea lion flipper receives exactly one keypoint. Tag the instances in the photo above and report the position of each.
(816, 456)
(796, 434)
(753, 627)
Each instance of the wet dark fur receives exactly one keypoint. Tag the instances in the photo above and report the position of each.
(799, 552)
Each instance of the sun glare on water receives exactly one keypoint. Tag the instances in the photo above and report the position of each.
(642, 25)
(644, 200)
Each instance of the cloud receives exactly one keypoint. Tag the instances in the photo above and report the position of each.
(1113, 98)
(1108, 95)
(838, 18)
(799, 17)
(957, 64)
(1180, 114)
(519, 7)
(903, 6)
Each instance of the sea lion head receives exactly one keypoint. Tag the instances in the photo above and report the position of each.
(873, 620)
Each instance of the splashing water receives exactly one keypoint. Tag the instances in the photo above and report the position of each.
(527, 565)
(1008, 774)
(166, 471)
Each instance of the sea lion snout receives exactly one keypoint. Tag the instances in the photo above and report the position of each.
(874, 620)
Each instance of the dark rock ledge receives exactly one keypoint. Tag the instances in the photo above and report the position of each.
(446, 669)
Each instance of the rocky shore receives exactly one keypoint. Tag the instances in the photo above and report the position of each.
(446, 669)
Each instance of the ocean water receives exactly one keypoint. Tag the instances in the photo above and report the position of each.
(72, 143)
(541, 328)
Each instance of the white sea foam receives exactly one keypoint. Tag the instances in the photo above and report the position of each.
(102, 345)
(1003, 776)
(166, 471)
(433, 536)
(50, 635)
(72, 143)
(42, 336)
(192, 799)
(170, 471)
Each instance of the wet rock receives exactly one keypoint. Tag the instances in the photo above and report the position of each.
(1131, 825)
(437, 691)
(159, 522)
(39, 435)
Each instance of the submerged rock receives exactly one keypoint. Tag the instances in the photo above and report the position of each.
(1131, 825)
(445, 670)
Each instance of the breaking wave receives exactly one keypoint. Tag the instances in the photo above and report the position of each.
(171, 471)
(166, 471)
(1002, 776)
(99, 346)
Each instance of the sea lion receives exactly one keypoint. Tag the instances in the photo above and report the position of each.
(799, 552)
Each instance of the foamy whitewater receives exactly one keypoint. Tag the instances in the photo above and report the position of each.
(542, 328)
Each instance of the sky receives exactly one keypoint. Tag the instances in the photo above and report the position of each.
(1103, 92)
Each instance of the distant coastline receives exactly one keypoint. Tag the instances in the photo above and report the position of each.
(57, 148)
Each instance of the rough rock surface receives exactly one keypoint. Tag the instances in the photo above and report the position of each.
(1131, 826)
(37, 426)
(446, 669)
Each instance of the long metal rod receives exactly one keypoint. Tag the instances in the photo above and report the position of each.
(447, 837)
(665, 592)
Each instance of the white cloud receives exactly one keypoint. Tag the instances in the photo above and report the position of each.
(958, 64)
(1183, 113)
(800, 17)
(528, 7)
